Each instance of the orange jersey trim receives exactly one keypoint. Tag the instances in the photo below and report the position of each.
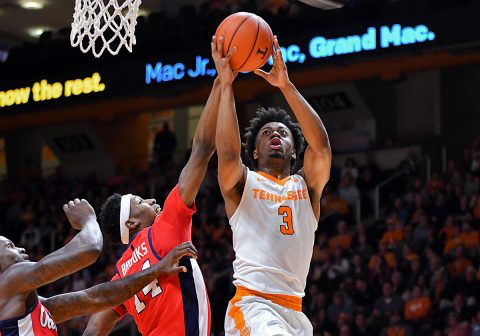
(287, 301)
(274, 179)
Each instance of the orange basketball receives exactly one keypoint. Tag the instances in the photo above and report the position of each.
(252, 36)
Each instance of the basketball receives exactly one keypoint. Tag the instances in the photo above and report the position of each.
(252, 36)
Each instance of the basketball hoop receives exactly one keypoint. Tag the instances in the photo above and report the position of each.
(100, 25)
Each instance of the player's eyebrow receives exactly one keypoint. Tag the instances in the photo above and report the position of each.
(277, 128)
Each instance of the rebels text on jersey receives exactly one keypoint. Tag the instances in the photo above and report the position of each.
(37, 321)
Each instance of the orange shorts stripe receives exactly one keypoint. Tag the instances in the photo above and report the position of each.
(287, 301)
(237, 315)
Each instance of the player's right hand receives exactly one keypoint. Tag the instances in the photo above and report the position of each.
(222, 64)
(169, 264)
(79, 213)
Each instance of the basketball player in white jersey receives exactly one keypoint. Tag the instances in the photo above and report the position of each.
(273, 214)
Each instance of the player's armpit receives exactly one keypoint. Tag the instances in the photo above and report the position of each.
(231, 174)
(316, 169)
(102, 323)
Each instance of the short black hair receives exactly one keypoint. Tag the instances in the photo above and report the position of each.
(264, 116)
(110, 217)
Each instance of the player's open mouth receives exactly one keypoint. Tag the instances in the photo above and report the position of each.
(25, 256)
(276, 144)
(158, 209)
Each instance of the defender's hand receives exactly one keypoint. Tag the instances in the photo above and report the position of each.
(225, 73)
(79, 213)
(169, 264)
(278, 75)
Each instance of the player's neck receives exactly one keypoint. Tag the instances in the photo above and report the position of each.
(277, 172)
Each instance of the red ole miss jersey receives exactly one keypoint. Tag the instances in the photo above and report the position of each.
(174, 305)
(37, 321)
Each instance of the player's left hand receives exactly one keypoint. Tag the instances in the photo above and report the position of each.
(278, 75)
(169, 264)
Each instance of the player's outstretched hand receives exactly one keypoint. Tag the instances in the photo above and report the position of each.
(169, 264)
(79, 213)
(278, 75)
(222, 64)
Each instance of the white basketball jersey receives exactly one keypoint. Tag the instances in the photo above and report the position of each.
(273, 235)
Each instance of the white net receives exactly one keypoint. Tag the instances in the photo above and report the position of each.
(100, 25)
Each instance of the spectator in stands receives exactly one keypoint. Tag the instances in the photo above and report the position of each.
(334, 205)
(469, 286)
(385, 307)
(339, 307)
(360, 327)
(164, 146)
(362, 296)
(350, 167)
(453, 242)
(475, 324)
(339, 266)
(397, 327)
(363, 247)
(418, 308)
(469, 238)
(348, 191)
(394, 233)
(382, 264)
(343, 239)
(398, 284)
(358, 267)
(30, 236)
(457, 327)
(321, 325)
(457, 267)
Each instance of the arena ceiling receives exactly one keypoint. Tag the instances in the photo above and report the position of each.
(24, 20)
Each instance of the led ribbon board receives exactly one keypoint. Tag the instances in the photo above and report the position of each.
(319, 47)
(43, 90)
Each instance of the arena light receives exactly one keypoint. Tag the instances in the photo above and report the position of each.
(325, 4)
(143, 12)
(37, 30)
(32, 4)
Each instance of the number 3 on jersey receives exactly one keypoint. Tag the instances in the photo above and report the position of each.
(151, 287)
(287, 227)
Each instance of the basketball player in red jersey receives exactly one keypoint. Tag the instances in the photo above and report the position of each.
(178, 305)
(23, 313)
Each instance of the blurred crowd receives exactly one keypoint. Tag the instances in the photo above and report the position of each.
(413, 272)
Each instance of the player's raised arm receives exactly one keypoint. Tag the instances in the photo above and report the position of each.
(318, 155)
(111, 294)
(100, 324)
(230, 168)
(80, 252)
(203, 148)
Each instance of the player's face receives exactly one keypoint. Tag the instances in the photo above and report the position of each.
(10, 254)
(144, 210)
(275, 140)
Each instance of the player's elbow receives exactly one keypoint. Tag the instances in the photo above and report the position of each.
(96, 245)
(91, 251)
(227, 156)
(203, 148)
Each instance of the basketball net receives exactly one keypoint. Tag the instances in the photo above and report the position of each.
(100, 25)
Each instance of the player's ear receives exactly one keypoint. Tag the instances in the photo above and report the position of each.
(132, 223)
(294, 154)
(255, 155)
